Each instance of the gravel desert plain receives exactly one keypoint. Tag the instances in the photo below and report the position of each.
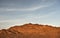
(31, 31)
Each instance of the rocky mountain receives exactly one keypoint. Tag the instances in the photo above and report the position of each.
(31, 31)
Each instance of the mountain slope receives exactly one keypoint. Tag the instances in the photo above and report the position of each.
(31, 31)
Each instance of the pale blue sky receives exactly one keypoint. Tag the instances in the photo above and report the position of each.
(29, 11)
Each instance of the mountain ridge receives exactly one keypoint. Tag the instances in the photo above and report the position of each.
(31, 31)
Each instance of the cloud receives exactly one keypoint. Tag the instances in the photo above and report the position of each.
(30, 17)
(48, 15)
(33, 8)
(36, 17)
(39, 4)
(26, 9)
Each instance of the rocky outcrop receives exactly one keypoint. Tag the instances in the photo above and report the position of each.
(31, 31)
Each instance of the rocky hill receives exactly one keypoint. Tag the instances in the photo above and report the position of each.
(31, 31)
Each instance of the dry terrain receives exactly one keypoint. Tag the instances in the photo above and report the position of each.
(31, 31)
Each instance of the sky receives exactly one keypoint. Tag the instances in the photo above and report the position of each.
(15, 12)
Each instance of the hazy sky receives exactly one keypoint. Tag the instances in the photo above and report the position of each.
(29, 11)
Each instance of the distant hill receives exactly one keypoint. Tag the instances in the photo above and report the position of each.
(31, 31)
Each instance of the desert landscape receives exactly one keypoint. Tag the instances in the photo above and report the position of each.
(29, 18)
(31, 31)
